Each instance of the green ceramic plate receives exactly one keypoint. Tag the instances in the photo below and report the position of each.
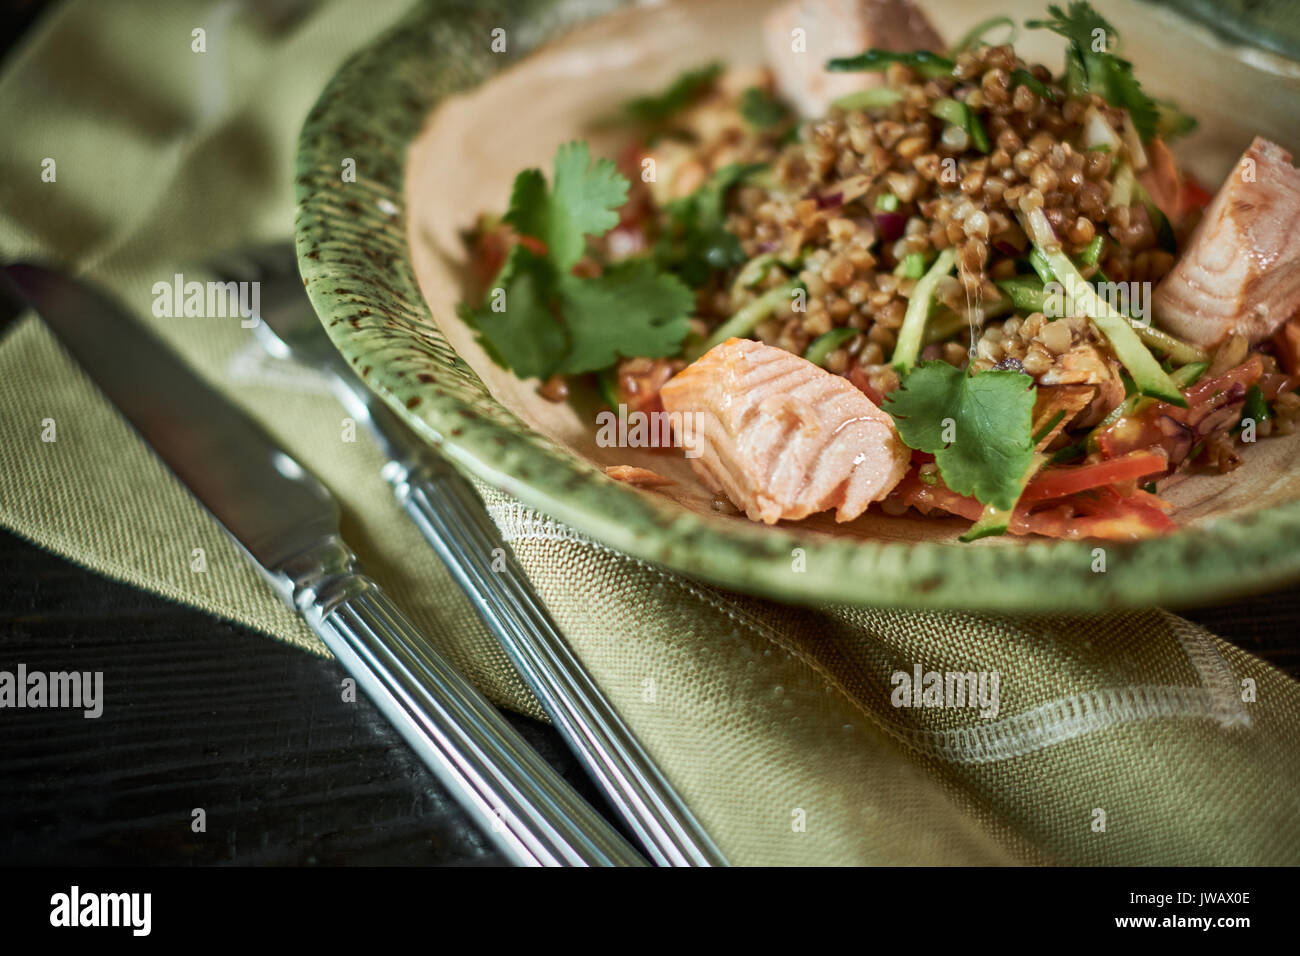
(435, 123)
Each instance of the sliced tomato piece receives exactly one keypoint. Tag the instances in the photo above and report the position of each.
(1153, 500)
(640, 379)
(629, 159)
(1193, 196)
(1273, 384)
(1122, 526)
(1175, 430)
(859, 378)
(1134, 433)
(1060, 482)
(1101, 513)
(1143, 507)
(491, 249)
(916, 493)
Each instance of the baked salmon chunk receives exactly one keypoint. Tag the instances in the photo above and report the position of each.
(838, 28)
(781, 437)
(1240, 273)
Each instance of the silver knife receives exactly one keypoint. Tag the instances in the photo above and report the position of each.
(288, 524)
(452, 517)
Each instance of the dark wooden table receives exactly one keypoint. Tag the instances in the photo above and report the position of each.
(202, 713)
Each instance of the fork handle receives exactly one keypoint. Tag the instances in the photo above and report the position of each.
(521, 804)
(456, 524)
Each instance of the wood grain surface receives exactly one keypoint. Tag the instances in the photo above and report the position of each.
(199, 713)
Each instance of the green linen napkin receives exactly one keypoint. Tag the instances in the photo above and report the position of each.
(1135, 738)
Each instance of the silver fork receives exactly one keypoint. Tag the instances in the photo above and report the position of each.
(454, 520)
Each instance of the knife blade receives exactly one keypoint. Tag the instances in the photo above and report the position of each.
(287, 522)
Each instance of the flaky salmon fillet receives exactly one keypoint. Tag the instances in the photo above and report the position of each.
(1240, 272)
(838, 28)
(783, 438)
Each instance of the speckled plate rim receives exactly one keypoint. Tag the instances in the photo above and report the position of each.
(353, 254)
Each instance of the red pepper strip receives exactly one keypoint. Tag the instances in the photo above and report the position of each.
(1059, 482)
(1155, 501)
(1247, 374)
(1110, 516)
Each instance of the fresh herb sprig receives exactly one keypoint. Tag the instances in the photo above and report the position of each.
(539, 319)
(978, 427)
(656, 108)
(695, 243)
(1090, 67)
(763, 111)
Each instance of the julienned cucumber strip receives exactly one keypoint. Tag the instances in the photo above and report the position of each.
(744, 321)
(959, 114)
(912, 266)
(995, 521)
(1186, 376)
(1092, 254)
(930, 65)
(1039, 262)
(1176, 350)
(828, 342)
(1026, 293)
(1147, 374)
(918, 310)
(944, 323)
(872, 99)
(754, 271)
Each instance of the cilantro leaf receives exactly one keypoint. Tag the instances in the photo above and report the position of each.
(630, 311)
(539, 319)
(695, 243)
(1089, 69)
(762, 110)
(988, 418)
(1173, 122)
(1114, 79)
(1079, 26)
(684, 90)
(525, 335)
(583, 201)
(1025, 78)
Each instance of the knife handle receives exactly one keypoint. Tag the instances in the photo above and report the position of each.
(456, 523)
(521, 804)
